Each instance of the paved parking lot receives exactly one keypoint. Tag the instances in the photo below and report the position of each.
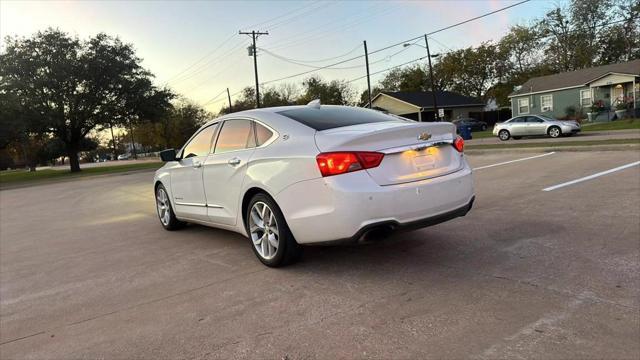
(86, 271)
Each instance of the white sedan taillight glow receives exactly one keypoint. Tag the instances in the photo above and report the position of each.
(335, 163)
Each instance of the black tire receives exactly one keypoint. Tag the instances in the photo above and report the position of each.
(483, 127)
(504, 135)
(517, 137)
(170, 222)
(288, 250)
(554, 132)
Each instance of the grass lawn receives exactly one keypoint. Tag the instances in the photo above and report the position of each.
(553, 145)
(613, 125)
(482, 134)
(15, 177)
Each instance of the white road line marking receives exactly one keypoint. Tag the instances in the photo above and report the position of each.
(512, 161)
(550, 188)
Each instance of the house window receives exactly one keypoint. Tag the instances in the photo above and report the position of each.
(585, 97)
(523, 106)
(546, 102)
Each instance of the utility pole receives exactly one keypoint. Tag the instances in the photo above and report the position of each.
(113, 140)
(366, 57)
(133, 141)
(229, 97)
(433, 86)
(254, 35)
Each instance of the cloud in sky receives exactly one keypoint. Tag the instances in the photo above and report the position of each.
(171, 35)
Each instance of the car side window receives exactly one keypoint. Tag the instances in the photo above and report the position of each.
(517, 120)
(200, 145)
(533, 119)
(235, 135)
(262, 134)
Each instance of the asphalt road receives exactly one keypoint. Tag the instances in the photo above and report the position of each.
(86, 271)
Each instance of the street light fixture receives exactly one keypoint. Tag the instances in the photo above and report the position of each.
(424, 47)
(433, 87)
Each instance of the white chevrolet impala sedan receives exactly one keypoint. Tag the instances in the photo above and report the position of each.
(296, 175)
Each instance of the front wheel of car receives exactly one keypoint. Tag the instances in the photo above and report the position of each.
(554, 132)
(272, 241)
(483, 127)
(165, 211)
(504, 135)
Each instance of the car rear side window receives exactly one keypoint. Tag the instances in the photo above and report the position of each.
(235, 135)
(330, 117)
(200, 144)
(262, 134)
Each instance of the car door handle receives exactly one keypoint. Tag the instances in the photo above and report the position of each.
(197, 164)
(234, 161)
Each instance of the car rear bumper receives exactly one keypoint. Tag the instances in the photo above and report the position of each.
(345, 207)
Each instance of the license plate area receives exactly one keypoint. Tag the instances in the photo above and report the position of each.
(424, 161)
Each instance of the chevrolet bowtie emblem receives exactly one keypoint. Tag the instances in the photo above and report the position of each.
(424, 136)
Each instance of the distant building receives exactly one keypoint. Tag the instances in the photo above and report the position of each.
(418, 105)
(553, 94)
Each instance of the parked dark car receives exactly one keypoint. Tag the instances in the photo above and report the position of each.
(476, 125)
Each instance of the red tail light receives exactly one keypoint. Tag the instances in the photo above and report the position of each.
(458, 143)
(335, 163)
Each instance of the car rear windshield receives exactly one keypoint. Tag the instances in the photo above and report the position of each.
(329, 117)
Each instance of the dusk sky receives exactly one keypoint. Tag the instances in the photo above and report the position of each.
(172, 36)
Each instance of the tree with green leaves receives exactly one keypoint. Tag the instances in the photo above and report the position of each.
(173, 128)
(78, 86)
(334, 92)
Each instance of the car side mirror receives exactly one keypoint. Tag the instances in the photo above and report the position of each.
(168, 155)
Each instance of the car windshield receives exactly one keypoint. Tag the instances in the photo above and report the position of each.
(330, 117)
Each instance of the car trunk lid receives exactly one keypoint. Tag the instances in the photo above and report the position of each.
(413, 151)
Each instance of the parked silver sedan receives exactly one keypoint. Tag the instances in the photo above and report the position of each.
(534, 125)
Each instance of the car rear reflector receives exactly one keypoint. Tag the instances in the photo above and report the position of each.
(458, 143)
(334, 163)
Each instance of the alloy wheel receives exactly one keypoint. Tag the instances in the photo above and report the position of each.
(554, 132)
(163, 206)
(263, 229)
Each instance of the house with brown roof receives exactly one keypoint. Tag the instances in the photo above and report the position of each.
(418, 105)
(609, 87)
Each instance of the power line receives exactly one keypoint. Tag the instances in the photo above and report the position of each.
(387, 69)
(440, 43)
(396, 44)
(477, 17)
(317, 61)
(214, 98)
(232, 95)
(234, 35)
(263, 23)
(202, 58)
(205, 65)
(314, 66)
(325, 28)
(297, 17)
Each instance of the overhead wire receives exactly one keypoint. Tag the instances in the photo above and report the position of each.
(391, 46)
(214, 98)
(179, 74)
